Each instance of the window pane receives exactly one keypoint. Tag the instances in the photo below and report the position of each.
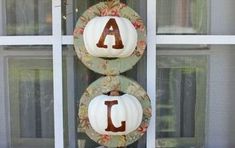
(176, 102)
(195, 17)
(210, 74)
(181, 93)
(26, 109)
(182, 16)
(78, 78)
(25, 17)
(73, 9)
(31, 94)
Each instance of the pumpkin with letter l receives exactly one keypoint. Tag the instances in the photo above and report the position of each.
(115, 115)
(110, 36)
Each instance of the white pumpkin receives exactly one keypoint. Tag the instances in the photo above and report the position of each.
(110, 36)
(127, 109)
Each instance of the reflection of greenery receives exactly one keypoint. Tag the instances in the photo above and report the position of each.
(199, 15)
(28, 29)
(166, 123)
(169, 105)
(188, 70)
(28, 17)
(191, 69)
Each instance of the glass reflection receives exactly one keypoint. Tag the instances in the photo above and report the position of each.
(182, 16)
(31, 102)
(25, 17)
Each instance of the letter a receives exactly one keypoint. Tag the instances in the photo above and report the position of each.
(107, 31)
(111, 127)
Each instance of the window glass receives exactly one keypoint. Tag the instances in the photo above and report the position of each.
(195, 96)
(182, 16)
(26, 114)
(176, 102)
(25, 17)
(31, 101)
(195, 17)
(181, 93)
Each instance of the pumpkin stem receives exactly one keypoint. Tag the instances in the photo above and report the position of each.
(114, 93)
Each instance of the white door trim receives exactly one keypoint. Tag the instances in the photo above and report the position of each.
(151, 69)
(57, 74)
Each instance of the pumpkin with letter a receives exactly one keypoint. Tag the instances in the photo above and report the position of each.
(115, 115)
(110, 36)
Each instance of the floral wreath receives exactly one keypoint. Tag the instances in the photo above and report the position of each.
(110, 66)
(105, 85)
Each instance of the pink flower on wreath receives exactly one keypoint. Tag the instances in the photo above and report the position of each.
(78, 31)
(115, 11)
(104, 138)
(141, 44)
(143, 128)
(110, 12)
(138, 24)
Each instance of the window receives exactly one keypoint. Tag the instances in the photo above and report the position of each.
(181, 96)
(178, 26)
(182, 16)
(31, 101)
(26, 17)
(188, 72)
(27, 97)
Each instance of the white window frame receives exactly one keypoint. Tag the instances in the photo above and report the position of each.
(57, 40)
